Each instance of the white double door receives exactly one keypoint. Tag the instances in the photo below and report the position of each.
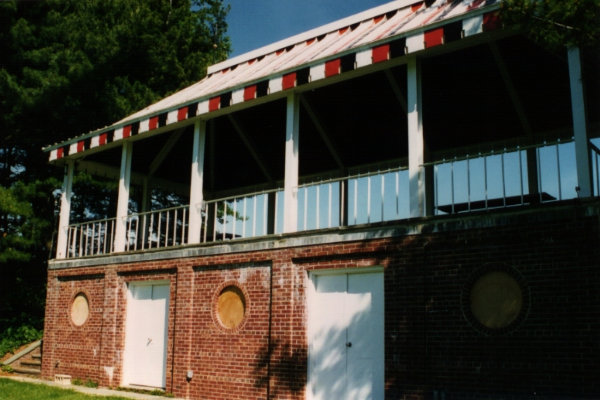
(145, 356)
(346, 336)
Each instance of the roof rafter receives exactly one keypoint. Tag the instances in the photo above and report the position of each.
(251, 146)
(322, 131)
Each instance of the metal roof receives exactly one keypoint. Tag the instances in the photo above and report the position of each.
(392, 30)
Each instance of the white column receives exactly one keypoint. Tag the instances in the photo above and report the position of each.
(65, 211)
(197, 183)
(123, 200)
(416, 146)
(582, 151)
(290, 195)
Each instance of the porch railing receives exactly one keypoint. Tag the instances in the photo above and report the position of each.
(91, 238)
(249, 215)
(156, 229)
(505, 178)
(374, 196)
(501, 178)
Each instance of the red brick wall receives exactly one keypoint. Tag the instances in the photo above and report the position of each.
(432, 349)
(69, 348)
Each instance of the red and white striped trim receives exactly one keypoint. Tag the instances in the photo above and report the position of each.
(356, 34)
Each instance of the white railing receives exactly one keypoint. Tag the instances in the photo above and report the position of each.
(156, 229)
(250, 215)
(357, 199)
(91, 238)
(502, 178)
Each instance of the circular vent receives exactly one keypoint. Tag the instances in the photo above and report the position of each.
(231, 307)
(80, 310)
(495, 300)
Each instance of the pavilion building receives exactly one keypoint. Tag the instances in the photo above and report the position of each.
(400, 204)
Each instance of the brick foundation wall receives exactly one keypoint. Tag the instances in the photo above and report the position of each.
(433, 347)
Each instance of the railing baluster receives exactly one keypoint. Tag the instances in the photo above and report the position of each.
(521, 173)
(503, 179)
(468, 183)
(330, 204)
(452, 183)
(81, 243)
(234, 219)
(167, 225)
(318, 207)
(435, 185)
(265, 211)
(368, 199)
(92, 239)
(397, 192)
(558, 170)
(355, 200)
(244, 219)
(305, 219)
(382, 196)
(175, 227)
(254, 199)
(539, 173)
(144, 226)
(485, 180)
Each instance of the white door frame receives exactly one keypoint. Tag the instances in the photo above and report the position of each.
(311, 299)
(128, 352)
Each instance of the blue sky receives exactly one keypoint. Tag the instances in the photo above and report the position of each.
(256, 23)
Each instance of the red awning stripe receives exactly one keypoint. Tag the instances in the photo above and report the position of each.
(381, 53)
(214, 103)
(182, 113)
(434, 37)
(249, 92)
(333, 67)
(288, 81)
(153, 123)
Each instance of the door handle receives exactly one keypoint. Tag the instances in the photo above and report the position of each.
(348, 344)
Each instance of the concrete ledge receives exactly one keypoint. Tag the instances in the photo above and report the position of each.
(563, 210)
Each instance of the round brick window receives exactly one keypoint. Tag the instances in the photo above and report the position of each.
(495, 299)
(231, 307)
(80, 310)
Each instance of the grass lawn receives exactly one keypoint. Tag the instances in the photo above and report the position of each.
(13, 390)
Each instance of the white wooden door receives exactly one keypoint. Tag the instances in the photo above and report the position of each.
(145, 358)
(346, 338)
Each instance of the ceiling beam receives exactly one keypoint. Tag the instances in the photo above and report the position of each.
(510, 88)
(251, 147)
(106, 171)
(164, 152)
(312, 114)
(396, 89)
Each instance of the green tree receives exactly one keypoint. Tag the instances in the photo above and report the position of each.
(69, 67)
(555, 24)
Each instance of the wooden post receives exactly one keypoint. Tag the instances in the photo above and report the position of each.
(197, 183)
(582, 151)
(416, 147)
(65, 211)
(290, 196)
(123, 199)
